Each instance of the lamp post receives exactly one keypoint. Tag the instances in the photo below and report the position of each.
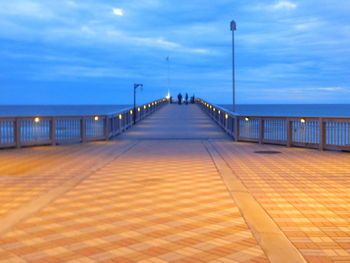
(233, 27)
(135, 87)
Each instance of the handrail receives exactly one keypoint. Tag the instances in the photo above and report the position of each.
(19, 131)
(324, 133)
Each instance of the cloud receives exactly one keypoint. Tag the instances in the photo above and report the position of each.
(278, 6)
(118, 12)
(326, 89)
(283, 5)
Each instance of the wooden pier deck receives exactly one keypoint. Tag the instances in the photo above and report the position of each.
(174, 188)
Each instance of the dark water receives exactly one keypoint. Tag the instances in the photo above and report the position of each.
(321, 110)
(60, 110)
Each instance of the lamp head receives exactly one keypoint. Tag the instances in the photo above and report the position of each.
(233, 26)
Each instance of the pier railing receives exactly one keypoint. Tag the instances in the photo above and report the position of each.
(324, 133)
(44, 130)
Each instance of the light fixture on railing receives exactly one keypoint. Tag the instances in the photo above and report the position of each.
(219, 112)
(214, 109)
(96, 118)
(120, 117)
(149, 105)
(226, 116)
(144, 106)
(131, 112)
(36, 119)
(302, 120)
(138, 109)
(246, 119)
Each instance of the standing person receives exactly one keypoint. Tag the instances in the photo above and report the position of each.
(179, 97)
(186, 98)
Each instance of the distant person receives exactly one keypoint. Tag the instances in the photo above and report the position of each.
(192, 100)
(171, 99)
(186, 98)
(179, 97)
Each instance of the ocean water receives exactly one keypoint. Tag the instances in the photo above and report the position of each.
(300, 110)
(60, 110)
(303, 110)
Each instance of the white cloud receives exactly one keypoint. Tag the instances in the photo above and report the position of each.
(326, 89)
(118, 12)
(284, 5)
(278, 6)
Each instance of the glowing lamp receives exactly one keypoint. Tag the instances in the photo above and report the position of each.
(226, 116)
(120, 116)
(131, 112)
(214, 109)
(219, 112)
(246, 119)
(144, 106)
(302, 120)
(149, 105)
(36, 119)
(138, 109)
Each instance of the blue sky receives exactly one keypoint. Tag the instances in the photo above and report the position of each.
(91, 52)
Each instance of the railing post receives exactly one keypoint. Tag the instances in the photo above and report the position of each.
(289, 133)
(322, 126)
(53, 131)
(82, 130)
(17, 133)
(235, 122)
(261, 131)
(106, 126)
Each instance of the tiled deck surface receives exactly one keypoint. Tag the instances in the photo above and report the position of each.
(142, 200)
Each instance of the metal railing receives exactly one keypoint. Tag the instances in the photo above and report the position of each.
(324, 133)
(45, 130)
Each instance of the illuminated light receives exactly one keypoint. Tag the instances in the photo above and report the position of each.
(144, 106)
(226, 116)
(120, 116)
(138, 109)
(219, 112)
(152, 104)
(149, 105)
(131, 112)
(214, 109)
(246, 119)
(302, 120)
(36, 119)
(211, 106)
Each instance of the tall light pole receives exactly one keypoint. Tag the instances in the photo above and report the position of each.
(233, 29)
(135, 87)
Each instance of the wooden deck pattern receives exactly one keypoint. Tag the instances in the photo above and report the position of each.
(157, 194)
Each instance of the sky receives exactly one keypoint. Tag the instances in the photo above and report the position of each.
(92, 52)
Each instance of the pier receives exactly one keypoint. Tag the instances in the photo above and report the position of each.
(187, 183)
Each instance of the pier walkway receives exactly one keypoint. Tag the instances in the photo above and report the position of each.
(174, 188)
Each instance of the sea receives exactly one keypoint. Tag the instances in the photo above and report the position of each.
(59, 110)
(304, 110)
(291, 110)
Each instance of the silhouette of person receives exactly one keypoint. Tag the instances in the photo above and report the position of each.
(179, 97)
(171, 99)
(186, 98)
